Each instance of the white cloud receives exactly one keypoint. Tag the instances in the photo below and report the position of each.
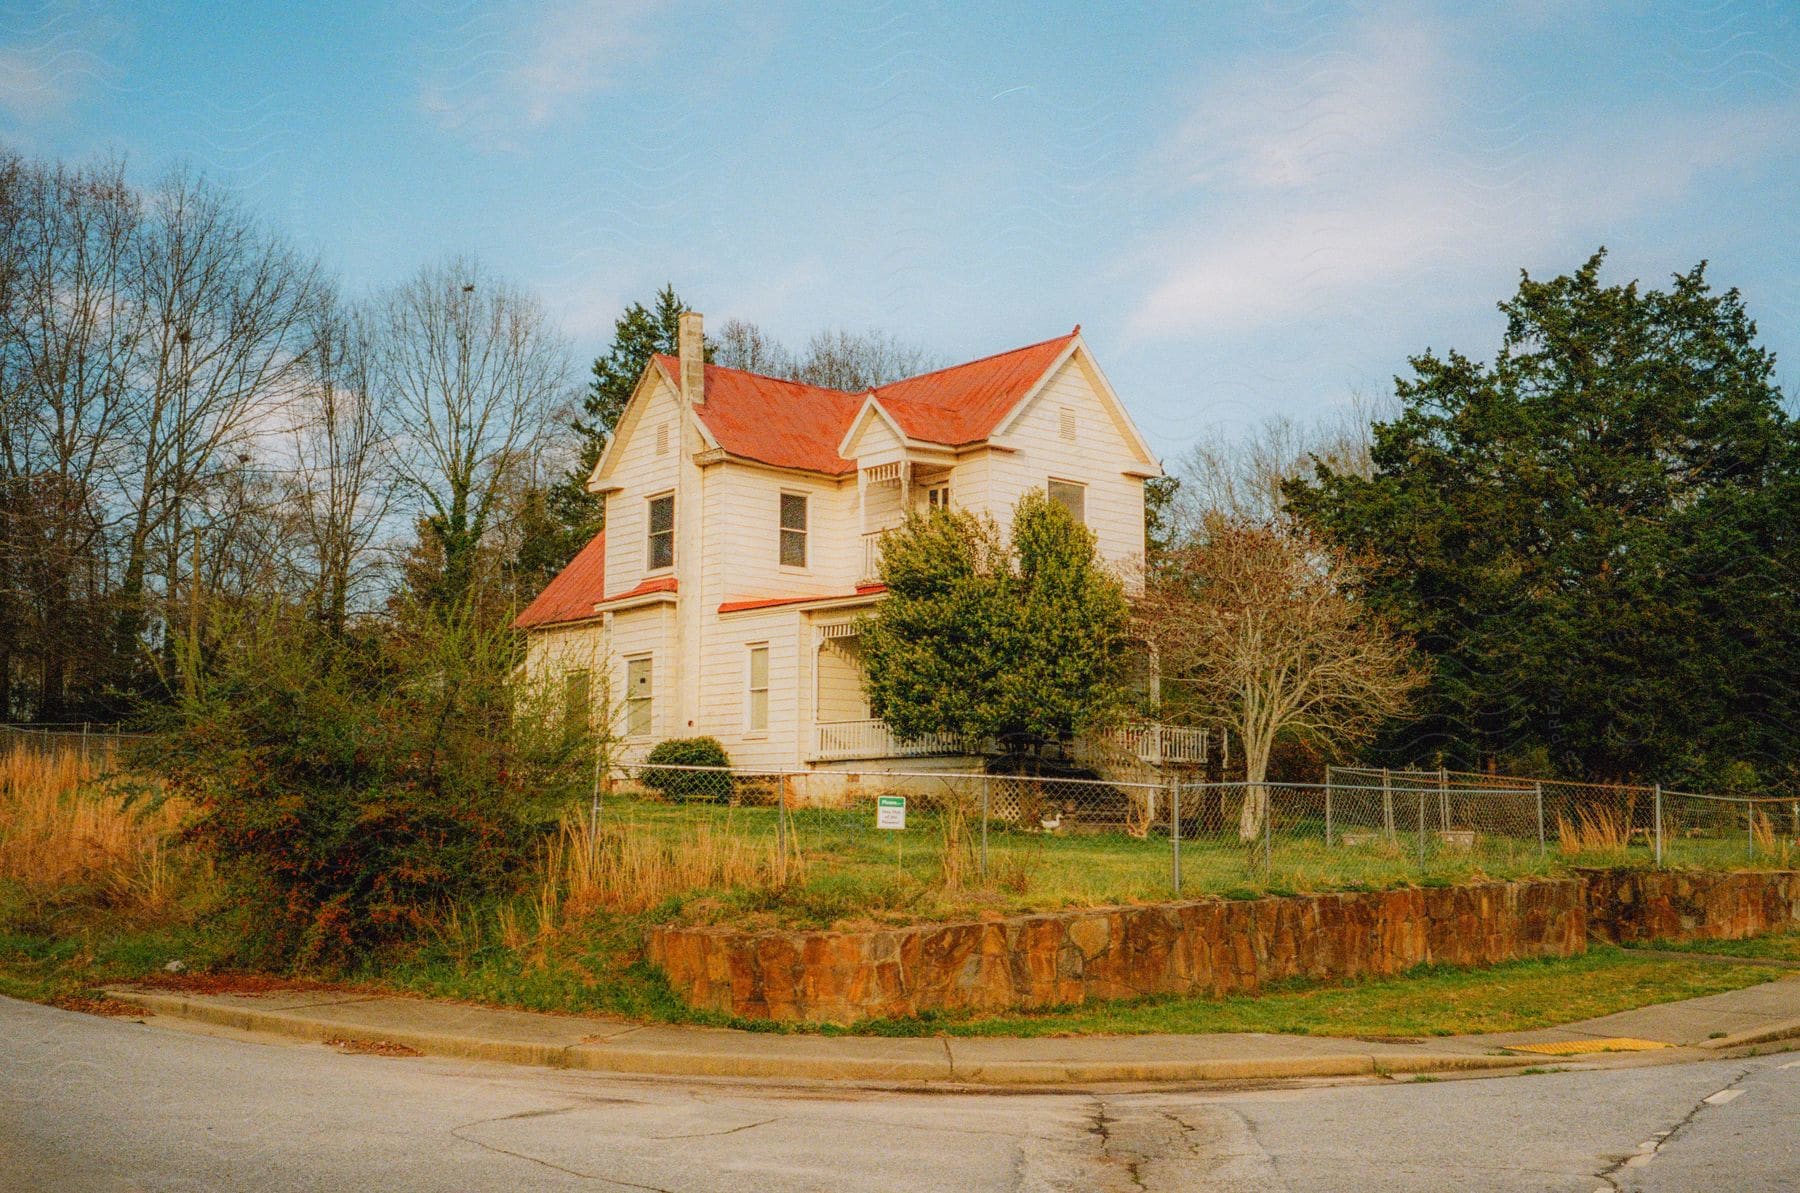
(1345, 178)
(492, 79)
(1281, 122)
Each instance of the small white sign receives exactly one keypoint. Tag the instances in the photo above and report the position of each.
(890, 811)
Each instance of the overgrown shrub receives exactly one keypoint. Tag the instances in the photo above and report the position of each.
(684, 786)
(352, 787)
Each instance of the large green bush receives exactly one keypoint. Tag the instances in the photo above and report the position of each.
(685, 786)
(350, 787)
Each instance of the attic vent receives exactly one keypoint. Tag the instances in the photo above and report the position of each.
(662, 439)
(1066, 426)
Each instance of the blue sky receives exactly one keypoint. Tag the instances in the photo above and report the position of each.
(1249, 210)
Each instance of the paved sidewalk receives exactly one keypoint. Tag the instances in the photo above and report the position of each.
(1701, 1027)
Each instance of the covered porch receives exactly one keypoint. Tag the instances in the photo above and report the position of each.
(843, 730)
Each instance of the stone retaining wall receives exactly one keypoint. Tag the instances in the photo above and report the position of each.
(1209, 946)
(1641, 905)
(1206, 946)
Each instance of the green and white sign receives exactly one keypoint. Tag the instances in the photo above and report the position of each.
(890, 811)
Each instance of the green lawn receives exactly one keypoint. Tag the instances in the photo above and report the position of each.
(1777, 946)
(854, 875)
(1516, 996)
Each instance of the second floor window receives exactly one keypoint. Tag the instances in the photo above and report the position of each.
(793, 530)
(660, 548)
(1072, 497)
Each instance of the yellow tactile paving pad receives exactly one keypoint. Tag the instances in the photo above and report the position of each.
(1576, 1047)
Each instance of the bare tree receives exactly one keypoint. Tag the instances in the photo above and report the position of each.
(223, 305)
(743, 345)
(67, 335)
(836, 359)
(854, 361)
(1241, 475)
(1253, 621)
(337, 491)
(471, 369)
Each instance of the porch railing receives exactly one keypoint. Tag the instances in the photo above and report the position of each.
(1156, 743)
(834, 740)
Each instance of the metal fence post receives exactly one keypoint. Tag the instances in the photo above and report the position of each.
(1421, 828)
(781, 846)
(1543, 850)
(1328, 807)
(1657, 807)
(985, 783)
(1268, 832)
(1387, 804)
(1175, 830)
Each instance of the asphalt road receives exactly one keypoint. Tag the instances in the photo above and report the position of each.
(95, 1104)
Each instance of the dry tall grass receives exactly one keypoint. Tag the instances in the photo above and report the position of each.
(65, 829)
(622, 867)
(1595, 830)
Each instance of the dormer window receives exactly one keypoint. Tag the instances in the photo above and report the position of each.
(659, 549)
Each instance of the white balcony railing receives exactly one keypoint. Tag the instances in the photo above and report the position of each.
(871, 561)
(1156, 743)
(835, 740)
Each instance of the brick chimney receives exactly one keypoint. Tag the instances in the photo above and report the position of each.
(690, 339)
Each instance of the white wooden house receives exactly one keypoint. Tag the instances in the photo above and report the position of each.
(744, 517)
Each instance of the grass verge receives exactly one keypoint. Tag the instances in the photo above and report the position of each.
(1434, 1001)
(1776, 946)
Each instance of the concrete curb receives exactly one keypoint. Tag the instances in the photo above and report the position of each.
(722, 1054)
(1787, 1029)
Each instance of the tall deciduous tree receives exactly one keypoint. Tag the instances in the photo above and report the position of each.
(1020, 639)
(638, 334)
(471, 368)
(1594, 535)
(1253, 622)
(338, 491)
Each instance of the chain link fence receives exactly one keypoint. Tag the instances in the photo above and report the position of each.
(1042, 837)
(97, 744)
(1610, 823)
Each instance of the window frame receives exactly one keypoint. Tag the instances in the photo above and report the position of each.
(633, 700)
(651, 534)
(1079, 486)
(574, 679)
(751, 691)
(804, 530)
(931, 496)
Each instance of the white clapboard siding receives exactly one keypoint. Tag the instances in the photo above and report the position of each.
(1097, 456)
(640, 473)
(724, 687)
(648, 631)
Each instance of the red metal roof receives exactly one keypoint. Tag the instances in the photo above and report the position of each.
(659, 584)
(784, 423)
(792, 425)
(574, 591)
(964, 404)
(749, 603)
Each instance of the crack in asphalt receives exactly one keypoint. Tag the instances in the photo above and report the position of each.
(1101, 1127)
(1667, 1137)
(711, 1134)
(457, 1133)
